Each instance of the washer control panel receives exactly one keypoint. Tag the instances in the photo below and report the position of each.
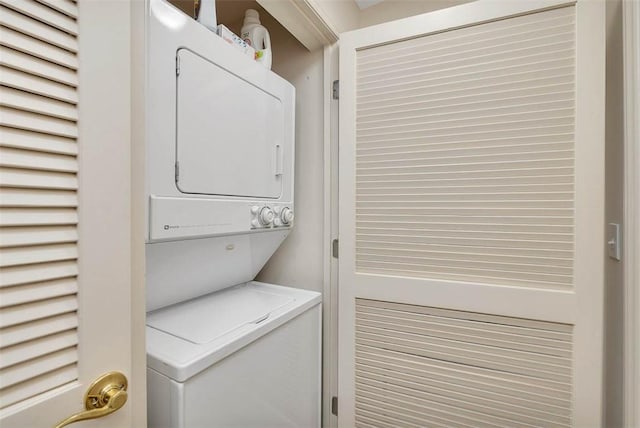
(266, 216)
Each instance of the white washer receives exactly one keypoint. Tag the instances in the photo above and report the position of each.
(246, 356)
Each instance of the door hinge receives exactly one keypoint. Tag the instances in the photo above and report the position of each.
(177, 171)
(334, 248)
(177, 66)
(336, 90)
(334, 405)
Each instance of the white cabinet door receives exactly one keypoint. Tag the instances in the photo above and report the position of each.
(65, 189)
(471, 217)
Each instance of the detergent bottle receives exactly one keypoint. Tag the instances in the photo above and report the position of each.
(257, 36)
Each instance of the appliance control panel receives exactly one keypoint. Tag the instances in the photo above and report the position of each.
(270, 216)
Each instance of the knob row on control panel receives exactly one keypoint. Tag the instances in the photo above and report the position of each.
(264, 216)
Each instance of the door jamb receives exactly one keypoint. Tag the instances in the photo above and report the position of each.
(137, 78)
(305, 20)
(631, 231)
(330, 263)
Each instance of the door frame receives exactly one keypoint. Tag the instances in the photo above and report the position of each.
(631, 230)
(330, 262)
(138, 219)
(305, 19)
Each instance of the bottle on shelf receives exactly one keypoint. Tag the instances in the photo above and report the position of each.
(206, 14)
(256, 35)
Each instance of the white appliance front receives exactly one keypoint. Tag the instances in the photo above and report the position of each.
(220, 135)
(230, 133)
(183, 270)
(248, 356)
(220, 160)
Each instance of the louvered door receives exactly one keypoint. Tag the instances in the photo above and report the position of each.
(471, 218)
(65, 269)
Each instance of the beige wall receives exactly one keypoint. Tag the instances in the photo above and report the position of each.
(344, 15)
(390, 10)
(614, 314)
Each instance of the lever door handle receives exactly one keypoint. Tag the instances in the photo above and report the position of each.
(106, 394)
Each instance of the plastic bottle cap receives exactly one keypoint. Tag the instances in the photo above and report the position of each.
(251, 16)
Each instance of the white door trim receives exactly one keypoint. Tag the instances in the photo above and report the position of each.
(473, 13)
(138, 219)
(330, 263)
(631, 241)
(304, 19)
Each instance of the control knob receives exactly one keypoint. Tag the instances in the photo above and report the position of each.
(286, 215)
(266, 216)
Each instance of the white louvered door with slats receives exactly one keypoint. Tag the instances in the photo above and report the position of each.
(472, 218)
(65, 207)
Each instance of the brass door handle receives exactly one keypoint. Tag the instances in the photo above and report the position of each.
(106, 394)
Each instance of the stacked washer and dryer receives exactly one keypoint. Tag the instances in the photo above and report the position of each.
(222, 349)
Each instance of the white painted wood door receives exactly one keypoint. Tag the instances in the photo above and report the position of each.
(66, 249)
(472, 217)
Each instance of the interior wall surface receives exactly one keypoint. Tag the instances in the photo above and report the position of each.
(390, 10)
(345, 15)
(614, 187)
(342, 15)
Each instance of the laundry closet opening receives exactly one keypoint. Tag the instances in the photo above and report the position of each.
(235, 212)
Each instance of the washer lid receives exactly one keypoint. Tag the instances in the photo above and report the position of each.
(210, 317)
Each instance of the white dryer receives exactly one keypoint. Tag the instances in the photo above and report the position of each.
(222, 350)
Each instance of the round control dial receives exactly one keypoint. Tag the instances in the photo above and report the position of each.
(286, 215)
(266, 216)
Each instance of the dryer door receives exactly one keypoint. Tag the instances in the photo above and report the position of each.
(230, 132)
